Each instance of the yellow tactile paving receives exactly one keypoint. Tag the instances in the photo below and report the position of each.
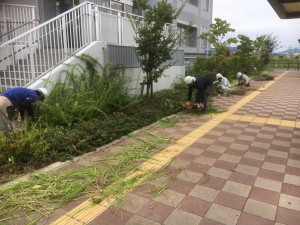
(287, 123)
(261, 120)
(273, 121)
(235, 117)
(87, 211)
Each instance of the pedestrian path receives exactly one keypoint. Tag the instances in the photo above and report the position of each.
(241, 166)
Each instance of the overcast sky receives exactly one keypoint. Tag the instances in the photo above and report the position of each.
(256, 17)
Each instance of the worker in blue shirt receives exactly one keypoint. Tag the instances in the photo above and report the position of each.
(203, 84)
(14, 102)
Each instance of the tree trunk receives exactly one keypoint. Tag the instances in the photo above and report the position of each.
(151, 84)
(142, 87)
(148, 89)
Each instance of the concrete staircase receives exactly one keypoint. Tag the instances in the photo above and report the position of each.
(24, 71)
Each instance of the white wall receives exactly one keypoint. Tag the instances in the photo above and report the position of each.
(167, 81)
(96, 50)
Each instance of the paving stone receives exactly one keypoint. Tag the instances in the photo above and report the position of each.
(195, 205)
(138, 220)
(132, 203)
(179, 217)
(261, 209)
(217, 172)
(248, 219)
(156, 211)
(274, 167)
(268, 184)
(223, 214)
(237, 188)
(247, 169)
(287, 216)
(168, 197)
(231, 200)
(204, 193)
(190, 176)
(290, 202)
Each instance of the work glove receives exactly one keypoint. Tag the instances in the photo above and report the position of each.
(187, 104)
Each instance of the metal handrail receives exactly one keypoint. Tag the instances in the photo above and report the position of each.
(60, 16)
(40, 49)
(19, 27)
(29, 6)
(46, 23)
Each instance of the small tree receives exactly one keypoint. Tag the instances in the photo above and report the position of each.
(156, 39)
(216, 35)
(264, 46)
(245, 53)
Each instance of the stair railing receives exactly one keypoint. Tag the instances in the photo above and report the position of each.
(26, 57)
(16, 19)
(9, 33)
(34, 53)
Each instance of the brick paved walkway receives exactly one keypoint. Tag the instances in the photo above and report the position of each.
(238, 167)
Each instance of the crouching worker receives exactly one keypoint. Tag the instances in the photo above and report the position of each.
(223, 84)
(203, 85)
(14, 102)
(243, 79)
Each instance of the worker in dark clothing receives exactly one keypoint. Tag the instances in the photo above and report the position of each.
(204, 85)
(14, 102)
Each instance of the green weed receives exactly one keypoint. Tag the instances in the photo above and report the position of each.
(87, 91)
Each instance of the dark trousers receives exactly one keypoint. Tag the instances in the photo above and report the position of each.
(205, 97)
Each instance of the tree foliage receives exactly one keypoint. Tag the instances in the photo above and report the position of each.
(250, 57)
(156, 39)
(264, 46)
(215, 36)
(245, 53)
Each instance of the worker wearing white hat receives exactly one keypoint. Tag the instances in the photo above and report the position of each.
(14, 102)
(223, 84)
(203, 84)
(243, 79)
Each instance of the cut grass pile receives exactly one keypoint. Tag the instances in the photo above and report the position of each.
(40, 195)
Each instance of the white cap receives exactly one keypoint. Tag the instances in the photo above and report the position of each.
(239, 74)
(43, 91)
(189, 79)
(218, 75)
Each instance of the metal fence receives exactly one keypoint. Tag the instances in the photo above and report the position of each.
(285, 63)
(15, 20)
(125, 56)
(30, 55)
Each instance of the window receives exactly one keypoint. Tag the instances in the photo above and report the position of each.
(188, 35)
(204, 44)
(205, 5)
(193, 2)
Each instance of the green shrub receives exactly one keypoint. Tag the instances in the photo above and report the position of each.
(40, 144)
(86, 92)
(24, 147)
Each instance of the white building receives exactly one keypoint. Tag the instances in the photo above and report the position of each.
(37, 36)
(198, 11)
